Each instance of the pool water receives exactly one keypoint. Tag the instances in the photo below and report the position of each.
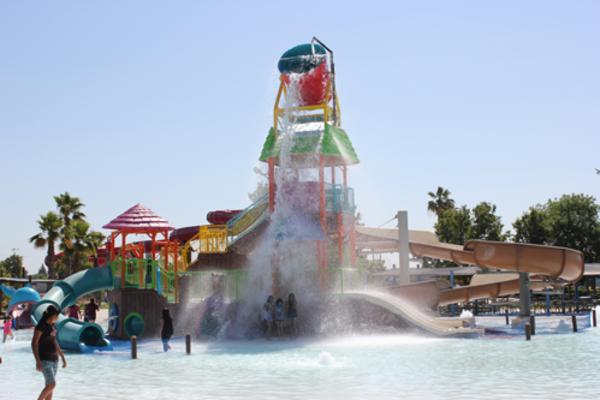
(558, 366)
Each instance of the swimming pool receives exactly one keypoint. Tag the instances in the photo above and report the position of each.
(560, 366)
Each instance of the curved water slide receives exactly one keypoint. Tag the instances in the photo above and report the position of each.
(558, 263)
(415, 316)
(73, 334)
(554, 262)
(498, 288)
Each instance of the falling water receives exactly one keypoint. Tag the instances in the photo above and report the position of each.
(293, 221)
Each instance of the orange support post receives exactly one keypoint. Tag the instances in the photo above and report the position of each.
(176, 251)
(113, 237)
(166, 266)
(123, 239)
(152, 245)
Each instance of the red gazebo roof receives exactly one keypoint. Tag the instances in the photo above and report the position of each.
(139, 219)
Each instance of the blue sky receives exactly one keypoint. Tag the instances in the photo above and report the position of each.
(168, 103)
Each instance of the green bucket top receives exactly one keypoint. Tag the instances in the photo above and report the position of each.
(301, 58)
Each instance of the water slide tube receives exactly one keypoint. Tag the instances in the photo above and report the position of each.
(469, 293)
(73, 334)
(542, 261)
(25, 295)
(554, 262)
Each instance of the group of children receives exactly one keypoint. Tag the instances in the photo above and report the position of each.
(89, 314)
(275, 315)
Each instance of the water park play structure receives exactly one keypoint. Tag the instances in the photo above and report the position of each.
(303, 229)
(20, 303)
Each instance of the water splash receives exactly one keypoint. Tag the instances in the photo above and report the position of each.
(326, 359)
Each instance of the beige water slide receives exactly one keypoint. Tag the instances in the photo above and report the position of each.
(554, 262)
(544, 261)
(416, 316)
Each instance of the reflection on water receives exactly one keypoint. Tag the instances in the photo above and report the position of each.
(359, 367)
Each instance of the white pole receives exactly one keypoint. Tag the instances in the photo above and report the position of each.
(403, 248)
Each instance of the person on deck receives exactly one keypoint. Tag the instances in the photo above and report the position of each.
(90, 311)
(46, 351)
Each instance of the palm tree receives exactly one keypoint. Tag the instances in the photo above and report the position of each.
(84, 244)
(69, 208)
(440, 201)
(93, 241)
(50, 226)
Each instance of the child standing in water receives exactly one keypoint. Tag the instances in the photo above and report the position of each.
(167, 329)
(7, 329)
(266, 316)
(46, 351)
(279, 315)
(292, 313)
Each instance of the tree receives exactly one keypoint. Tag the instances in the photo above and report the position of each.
(13, 266)
(532, 226)
(93, 241)
(84, 244)
(371, 266)
(574, 223)
(50, 226)
(440, 201)
(570, 221)
(41, 274)
(70, 210)
(454, 225)
(486, 224)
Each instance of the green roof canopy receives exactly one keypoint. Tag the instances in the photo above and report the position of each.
(332, 143)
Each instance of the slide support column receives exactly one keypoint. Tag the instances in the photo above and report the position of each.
(524, 295)
(403, 248)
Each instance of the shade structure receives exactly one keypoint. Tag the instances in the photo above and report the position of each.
(330, 142)
(139, 219)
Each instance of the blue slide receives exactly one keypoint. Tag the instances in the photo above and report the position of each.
(73, 334)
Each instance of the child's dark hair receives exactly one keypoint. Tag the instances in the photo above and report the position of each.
(279, 301)
(166, 314)
(51, 311)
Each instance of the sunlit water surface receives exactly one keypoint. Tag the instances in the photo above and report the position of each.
(561, 366)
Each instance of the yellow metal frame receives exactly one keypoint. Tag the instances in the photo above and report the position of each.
(326, 109)
(185, 250)
(213, 239)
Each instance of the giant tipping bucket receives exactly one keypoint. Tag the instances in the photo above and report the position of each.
(310, 62)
